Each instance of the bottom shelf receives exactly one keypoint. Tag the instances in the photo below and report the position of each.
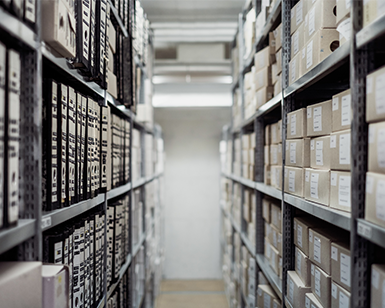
(273, 278)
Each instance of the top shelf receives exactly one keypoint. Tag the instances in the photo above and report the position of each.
(371, 32)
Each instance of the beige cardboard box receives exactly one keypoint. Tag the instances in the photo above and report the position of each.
(274, 73)
(279, 136)
(267, 135)
(59, 28)
(274, 130)
(249, 79)
(296, 289)
(340, 256)
(276, 303)
(264, 95)
(340, 190)
(21, 284)
(297, 40)
(376, 147)
(252, 140)
(274, 154)
(246, 141)
(340, 297)
(263, 78)
(298, 13)
(317, 185)
(251, 156)
(374, 198)
(342, 111)
(278, 85)
(377, 286)
(267, 155)
(340, 150)
(267, 175)
(294, 181)
(112, 86)
(296, 124)
(372, 10)
(245, 156)
(276, 176)
(276, 215)
(111, 36)
(319, 119)
(278, 37)
(265, 296)
(55, 286)
(294, 68)
(302, 267)
(321, 15)
(274, 259)
(275, 238)
(320, 240)
(264, 58)
(321, 285)
(318, 48)
(343, 9)
(110, 59)
(267, 230)
(267, 250)
(262, 278)
(375, 93)
(298, 152)
(320, 157)
(278, 57)
(311, 301)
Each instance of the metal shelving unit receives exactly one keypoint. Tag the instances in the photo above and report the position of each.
(272, 277)
(13, 236)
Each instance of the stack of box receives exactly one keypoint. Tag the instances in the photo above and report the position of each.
(245, 258)
(237, 166)
(322, 265)
(235, 59)
(377, 285)
(249, 33)
(272, 215)
(275, 38)
(136, 164)
(237, 202)
(226, 196)
(237, 107)
(248, 156)
(266, 297)
(273, 155)
(314, 35)
(249, 212)
(375, 178)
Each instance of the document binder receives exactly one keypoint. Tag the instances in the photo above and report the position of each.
(92, 37)
(53, 248)
(71, 129)
(101, 46)
(92, 258)
(62, 143)
(86, 264)
(78, 279)
(78, 143)
(104, 148)
(30, 11)
(83, 20)
(3, 52)
(83, 173)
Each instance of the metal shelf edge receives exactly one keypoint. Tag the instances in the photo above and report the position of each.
(371, 231)
(338, 218)
(136, 247)
(56, 217)
(118, 191)
(117, 17)
(123, 269)
(269, 190)
(329, 64)
(18, 29)
(371, 32)
(14, 236)
(273, 278)
(243, 181)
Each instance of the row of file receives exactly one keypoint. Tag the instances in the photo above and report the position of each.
(23, 9)
(77, 141)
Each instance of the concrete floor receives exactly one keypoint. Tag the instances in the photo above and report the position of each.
(192, 294)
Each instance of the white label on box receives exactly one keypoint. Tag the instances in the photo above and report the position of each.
(310, 236)
(259, 292)
(266, 300)
(333, 179)
(317, 122)
(317, 249)
(381, 147)
(287, 146)
(334, 253)
(312, 143)
(317, 282)
(345, 269)
(380, 197)
(372, 132)
(58, 252)
(296, 42)
(333, 141)
(299, 235)
(380, 94)
(275, 239)
(307, 176)
(348, 4)
(311, 21)
(345, 110)
(312, 269)
(292, 181)
(380, 8)
(291, 290)
(293, 71)
(369, 184)
(314, 185)
(344, 301)
(375, 279)
(292, 14)
(345, 149)
(334, 290)
(293, 124)
(309, 54)
(309, 111)
(299, 13)
(303, 53)
(344, 191)
(293, 152)
(369, 85)
(335, 103)
(299, 257)
(319, 157)
(344, 28)
(307, 302)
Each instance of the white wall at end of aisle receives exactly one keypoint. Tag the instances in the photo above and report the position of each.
(192, 215)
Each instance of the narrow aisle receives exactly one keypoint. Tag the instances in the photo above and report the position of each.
(191, 294)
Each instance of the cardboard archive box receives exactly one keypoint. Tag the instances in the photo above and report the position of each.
(340, 257)
(377, 291)
(340, 190)
(374, 198)
(340, 150)
(320, 156)
(302, 267)
(296, 289)
(376, 147)
(342, 111)
(375, 93)
(340, 297)
(321, 285)
(296, 124)
(294, 181)
(317, 185)
(312, 301)
(302, 226)
(298, 152)
(319, 119)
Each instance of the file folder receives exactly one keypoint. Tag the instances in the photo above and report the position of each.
(3, 53)
(71, 129)
(62, 143)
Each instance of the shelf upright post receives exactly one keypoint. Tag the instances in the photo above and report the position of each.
(359, 247)
(288, 104)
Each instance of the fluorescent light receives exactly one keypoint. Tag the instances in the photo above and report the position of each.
(192, 100)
